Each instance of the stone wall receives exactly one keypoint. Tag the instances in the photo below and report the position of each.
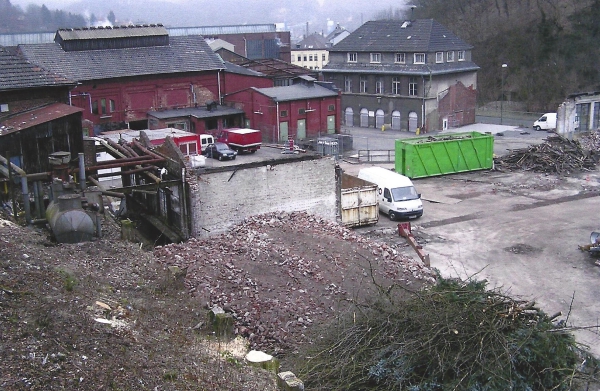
(222, 198)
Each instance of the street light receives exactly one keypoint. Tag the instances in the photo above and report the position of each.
(502, 88)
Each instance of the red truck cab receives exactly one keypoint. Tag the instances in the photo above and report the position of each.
(241, 140)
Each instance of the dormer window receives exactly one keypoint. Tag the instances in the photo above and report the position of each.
(352, 57)
(400, 58)
(376, 58)
(439, 57)
(419, 58)
(450, 56)
(461, 55)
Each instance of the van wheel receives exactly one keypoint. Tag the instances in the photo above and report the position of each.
(536, 128)
(392, 215)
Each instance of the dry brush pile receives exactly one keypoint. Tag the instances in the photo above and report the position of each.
(454, 336)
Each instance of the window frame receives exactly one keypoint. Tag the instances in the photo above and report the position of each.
(419, 56)
(363, 84)
(413, 89)
(283, 114)
(331, 107)
(461, 55)
(439, 57)
(302, 111)
(352, 57)
(450, 56)
(347, 84)
(396, 86)
(379, 86)
(375, 58)
(400, 58)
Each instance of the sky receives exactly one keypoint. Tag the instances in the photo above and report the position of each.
(185, 13)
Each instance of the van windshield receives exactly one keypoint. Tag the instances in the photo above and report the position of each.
(404, 193)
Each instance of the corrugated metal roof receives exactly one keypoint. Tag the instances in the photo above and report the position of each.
(17, 73)
(183, 54)
(422, 35)
(196, 112)
(296, 92)
(216, 30)
(111, 32)
(37, 116)
(154, 134)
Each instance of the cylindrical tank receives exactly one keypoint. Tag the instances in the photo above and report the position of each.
(68, 221)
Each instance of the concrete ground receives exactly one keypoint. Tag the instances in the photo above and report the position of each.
(520, 231)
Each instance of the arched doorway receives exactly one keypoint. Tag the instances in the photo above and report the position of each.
(412, 121)
(379, 118)
(396, 124)
(364, 118)
(349, 116)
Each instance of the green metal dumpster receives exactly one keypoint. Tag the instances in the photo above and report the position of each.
(425, 156)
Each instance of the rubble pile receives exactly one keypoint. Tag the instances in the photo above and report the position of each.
(280, 273)
(590, 141)
(555, 155)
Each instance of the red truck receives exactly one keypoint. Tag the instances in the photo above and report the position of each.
(241, 140)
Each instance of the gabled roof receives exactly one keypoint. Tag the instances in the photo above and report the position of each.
(111, 32)
(313, 41)
(17, 73)
(233, 68)
(296, 92)
(183, 54)
(274, 68)
(422, 35)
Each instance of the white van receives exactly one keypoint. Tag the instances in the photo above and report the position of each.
(545, 122)
(396, 194)
(205, 140)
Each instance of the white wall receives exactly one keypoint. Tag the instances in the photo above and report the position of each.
(222, 199)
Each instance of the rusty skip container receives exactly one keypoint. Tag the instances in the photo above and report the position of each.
(426, 156)
(358, 202)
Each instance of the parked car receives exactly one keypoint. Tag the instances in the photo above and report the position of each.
(219, 151)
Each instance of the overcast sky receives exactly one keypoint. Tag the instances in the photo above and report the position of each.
(183, 13)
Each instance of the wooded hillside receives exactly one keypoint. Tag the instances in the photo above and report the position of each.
(550, 46)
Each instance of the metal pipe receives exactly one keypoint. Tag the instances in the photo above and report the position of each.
(36, 199)
(81, 171)
(41, 198)
(16, 168)
(25, 193)
(106, 192)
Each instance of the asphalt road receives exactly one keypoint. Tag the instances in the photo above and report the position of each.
(519, 231)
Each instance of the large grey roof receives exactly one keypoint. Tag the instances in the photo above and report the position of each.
(111, 32)
(422, 35)
(401, 69)
(296, 92)
(313, 41)
(183, 54)
(17, 73)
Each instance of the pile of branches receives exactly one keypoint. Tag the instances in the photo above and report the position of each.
(555, 155)
(453, 336)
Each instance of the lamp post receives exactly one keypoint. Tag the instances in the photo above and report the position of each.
(502, 90)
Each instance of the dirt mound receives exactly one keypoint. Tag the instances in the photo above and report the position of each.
(107, 315)
(280, 273)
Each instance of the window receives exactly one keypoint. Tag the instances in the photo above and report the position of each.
(347, 84)
(376, 57)
(305, 57)
(450, 56)
(419, 58)
(352, 57)
(301, 111)
(323, 57)
(439, 57)
(461, 55)
(363, 84)
(412, 86)
(111, 105)
(379, 86)
(95, 107)
(310, 57)
(331, 108)
(396, 86)
(299, 58)
(283, 113)
(177, 125)
(401, 58)
(103, 106)
(188, 149)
